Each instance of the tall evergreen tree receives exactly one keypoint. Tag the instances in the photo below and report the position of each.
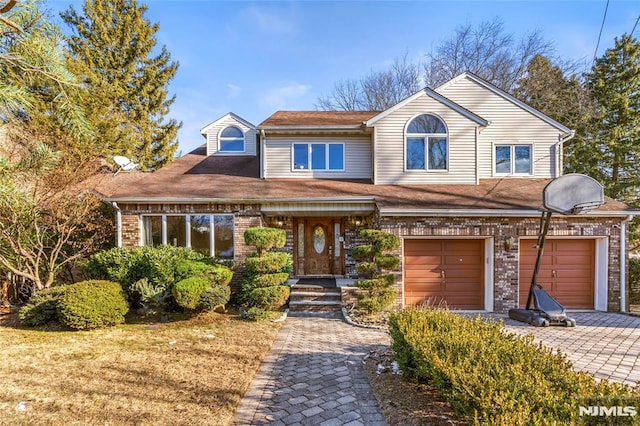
(546, 88)
(614, 146)
(112, 49)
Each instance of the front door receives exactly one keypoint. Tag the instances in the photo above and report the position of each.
(316, 252)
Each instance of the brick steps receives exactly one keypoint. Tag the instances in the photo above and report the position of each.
(312, 298)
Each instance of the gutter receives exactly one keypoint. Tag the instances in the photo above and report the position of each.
(118, 224)
(399, 212)
(623, 263)
(263, 153)
(559, 148)
(156, 200)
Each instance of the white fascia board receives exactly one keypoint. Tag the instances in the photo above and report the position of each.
(435, 95)
(482, 82)
(236, 117)
(307, 200)
(487, 213)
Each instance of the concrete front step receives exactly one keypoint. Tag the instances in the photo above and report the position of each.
(314, 305)
(302, 296)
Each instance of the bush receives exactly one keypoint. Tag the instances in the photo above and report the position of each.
(268, 262)
(188, 291)
(379, 294)
(265, 239)
(268, 280)
(634, 279)
(489, 376)
(216, 274)
(256, 314)
(42, 306)
(214, 297)
(270, 298)
(92, 304)
(147, 294)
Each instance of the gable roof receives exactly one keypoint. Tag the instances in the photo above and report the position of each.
(484, 83)
(316, 119)
(236, 117)
(438, 97)
(198, 178)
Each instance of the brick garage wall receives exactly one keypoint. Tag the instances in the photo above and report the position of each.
(506, 266)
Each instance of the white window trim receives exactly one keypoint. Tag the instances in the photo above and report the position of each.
(512, 146)
(221, 139)
(187, 222)
(425, 137)
(326, 156)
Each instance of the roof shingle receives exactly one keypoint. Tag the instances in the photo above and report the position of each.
(317, 118)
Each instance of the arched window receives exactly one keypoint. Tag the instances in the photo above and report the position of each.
(426, 144)
(231, 140)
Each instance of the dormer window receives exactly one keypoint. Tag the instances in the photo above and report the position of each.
(231, 140)
(426, 144)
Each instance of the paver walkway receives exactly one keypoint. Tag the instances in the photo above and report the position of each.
(606, 345)
(313, 375)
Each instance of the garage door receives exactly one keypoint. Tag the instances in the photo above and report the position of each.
(444, 270)
(567, 271)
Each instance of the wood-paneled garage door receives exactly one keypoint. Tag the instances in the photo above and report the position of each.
(567, 271)
(444, 270)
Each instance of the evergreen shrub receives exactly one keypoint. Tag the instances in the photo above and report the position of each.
(42, 307)
(92, 304)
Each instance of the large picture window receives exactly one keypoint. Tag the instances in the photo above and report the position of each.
(513, 160)
(207, 234)
(318, 156)
(231, 140)
(426, 144)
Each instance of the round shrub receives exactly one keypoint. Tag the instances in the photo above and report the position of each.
(217, 274)
(268, 280)
(267, 263)
(256, 314)
(42, 306)
(270, 298)
(188, 291)
(92, 304)
(214, 297)
(264, 239)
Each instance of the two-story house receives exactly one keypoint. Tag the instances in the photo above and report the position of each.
(456, 172)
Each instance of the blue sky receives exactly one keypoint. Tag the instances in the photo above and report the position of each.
(254, 58)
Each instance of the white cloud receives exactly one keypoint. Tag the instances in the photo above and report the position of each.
(270, 21)
(285, 94)
(233, 90)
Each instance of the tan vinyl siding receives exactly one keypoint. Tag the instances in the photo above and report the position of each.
(214, 132)
(357, 156)
(390, 146)
(509, 124)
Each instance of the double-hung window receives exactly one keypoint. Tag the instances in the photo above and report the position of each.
(426, 144)
(318, 156)
(513, 159)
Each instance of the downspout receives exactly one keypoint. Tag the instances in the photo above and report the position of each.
(263, 153)
(559, 149)
(623, 263)
(118, 224)
(477, 155)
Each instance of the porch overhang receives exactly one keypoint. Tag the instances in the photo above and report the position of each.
(330, 208)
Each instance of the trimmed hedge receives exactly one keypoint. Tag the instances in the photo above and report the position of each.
(42, 307)
(188, 291)
(216, 274)
(270, 298)
(92, 304)
(268, 262)
(213, 297)
(490, 376)
(265, 239)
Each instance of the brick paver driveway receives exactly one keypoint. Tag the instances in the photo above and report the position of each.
(313, 375)
(606, 345)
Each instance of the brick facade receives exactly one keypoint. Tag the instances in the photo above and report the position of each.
(506, 233)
